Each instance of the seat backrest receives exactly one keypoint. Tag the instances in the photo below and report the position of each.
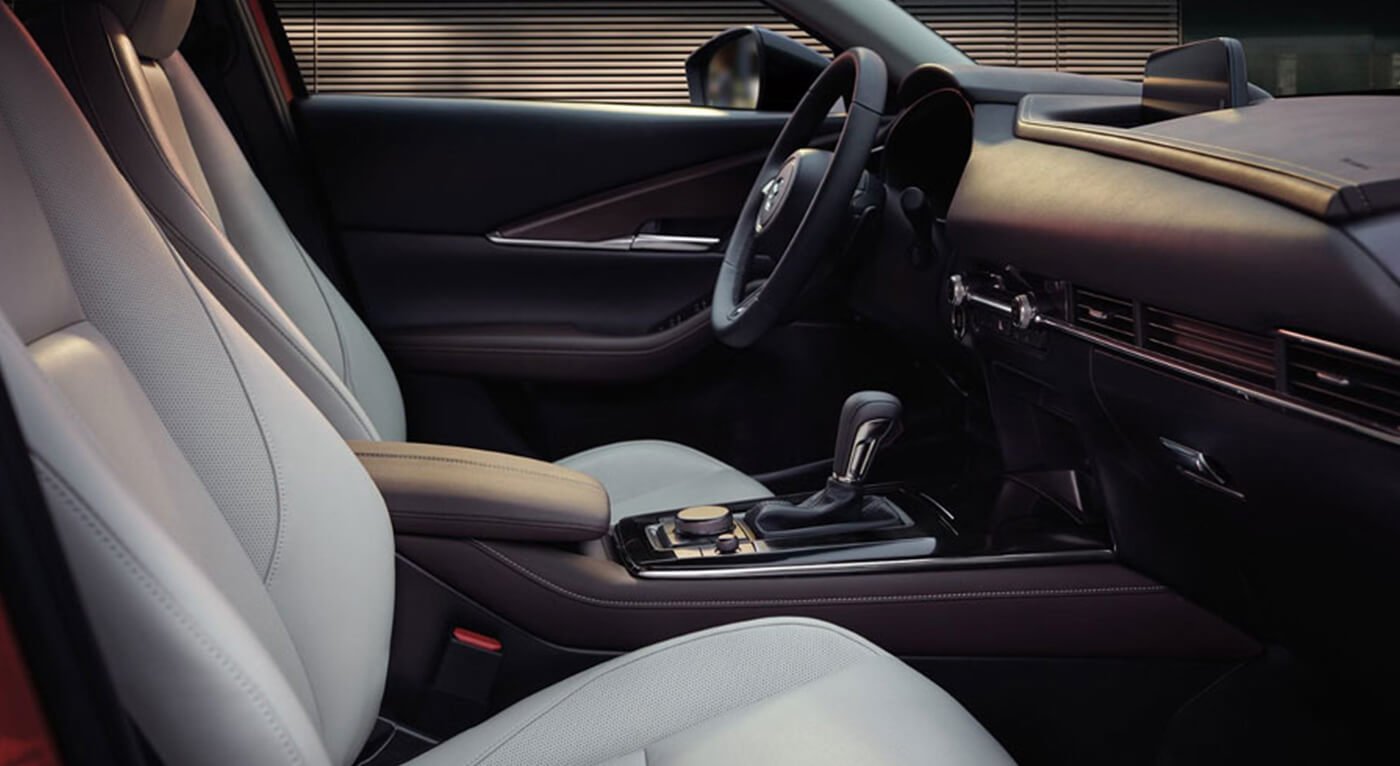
(121, 62)
(234, 558)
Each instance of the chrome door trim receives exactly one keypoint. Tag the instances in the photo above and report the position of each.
(617, 243)
(670, 243)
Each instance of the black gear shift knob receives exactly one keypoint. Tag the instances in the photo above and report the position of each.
(867, 419)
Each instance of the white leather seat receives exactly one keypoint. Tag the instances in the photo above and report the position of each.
(236, 562)
(121, 60)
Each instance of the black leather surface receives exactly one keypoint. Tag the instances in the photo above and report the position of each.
(466, 167)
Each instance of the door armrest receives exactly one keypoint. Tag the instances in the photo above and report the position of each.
(442, 491)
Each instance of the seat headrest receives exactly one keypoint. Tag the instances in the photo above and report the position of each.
(155, 27)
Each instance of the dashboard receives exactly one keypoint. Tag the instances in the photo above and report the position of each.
(1202, 314)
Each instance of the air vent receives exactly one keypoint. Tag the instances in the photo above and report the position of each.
(1105, 315)
(1347, 381)
(1236, 354)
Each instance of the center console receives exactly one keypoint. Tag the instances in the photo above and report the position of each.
(1001, 521)
(851, 527)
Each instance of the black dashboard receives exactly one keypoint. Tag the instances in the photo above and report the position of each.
(1201, 314)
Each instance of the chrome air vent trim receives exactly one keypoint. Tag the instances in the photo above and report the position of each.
(1349, 381)
(1222, 383)
(1235, 353)
(1105, 314)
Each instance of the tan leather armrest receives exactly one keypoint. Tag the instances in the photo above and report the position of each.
(457, 492)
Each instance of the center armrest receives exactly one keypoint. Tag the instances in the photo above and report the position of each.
(444, 491)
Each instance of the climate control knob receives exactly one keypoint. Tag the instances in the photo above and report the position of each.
(1023, 311)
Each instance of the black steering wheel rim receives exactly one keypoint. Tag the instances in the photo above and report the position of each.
(860, 76)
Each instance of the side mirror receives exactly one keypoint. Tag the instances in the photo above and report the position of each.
(752, 68)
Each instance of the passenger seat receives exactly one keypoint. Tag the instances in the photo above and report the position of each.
(122, 63)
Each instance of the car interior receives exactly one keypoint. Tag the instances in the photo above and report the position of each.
(876, 407)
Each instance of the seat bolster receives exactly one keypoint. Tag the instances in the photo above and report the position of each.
(270, 250)
(650, 475)
(772, 691)
(190, 640)
(105, 74)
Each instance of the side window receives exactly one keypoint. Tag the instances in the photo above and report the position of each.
(1112, 39)
(612, 51)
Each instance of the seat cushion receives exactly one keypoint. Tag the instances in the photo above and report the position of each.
(774, 691)
(650, 475)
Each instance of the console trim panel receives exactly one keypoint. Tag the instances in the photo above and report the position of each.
(889, 565)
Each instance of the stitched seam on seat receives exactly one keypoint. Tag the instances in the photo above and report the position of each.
(350, 403)
(987, 595)
(112, 146)
(94, 524)
(169, 226)
(479, 464)
(642, 655)
(188, 278)
(335, 321)
(257, 417)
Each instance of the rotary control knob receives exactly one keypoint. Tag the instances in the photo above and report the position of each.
(1023, 311)
(704, 521)
(957, 290)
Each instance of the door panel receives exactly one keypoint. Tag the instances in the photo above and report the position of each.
(463, 305)
(494, 250)
(459, 166)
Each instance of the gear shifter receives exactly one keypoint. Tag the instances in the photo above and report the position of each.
(868, 419)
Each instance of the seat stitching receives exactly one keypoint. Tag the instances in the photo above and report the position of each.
(283, 512)
(90, 519)
(191, 282)
(301, 253)
(987, 595)
(169, 227)
(591, 484)
(196, 251)
(330, 311)
(644, 654)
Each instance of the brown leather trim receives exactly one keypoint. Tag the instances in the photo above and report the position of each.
(714, 190)
(457, 492)
(1224, 151)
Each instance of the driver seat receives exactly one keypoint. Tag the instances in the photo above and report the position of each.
(121, 61)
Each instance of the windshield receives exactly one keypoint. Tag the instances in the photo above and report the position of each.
(1293, 47)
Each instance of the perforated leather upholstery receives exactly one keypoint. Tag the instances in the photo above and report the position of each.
(236, 561)
(170, 141)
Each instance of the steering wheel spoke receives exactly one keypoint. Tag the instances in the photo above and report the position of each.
(801, 199)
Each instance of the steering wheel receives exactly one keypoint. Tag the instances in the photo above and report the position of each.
(801, 199)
